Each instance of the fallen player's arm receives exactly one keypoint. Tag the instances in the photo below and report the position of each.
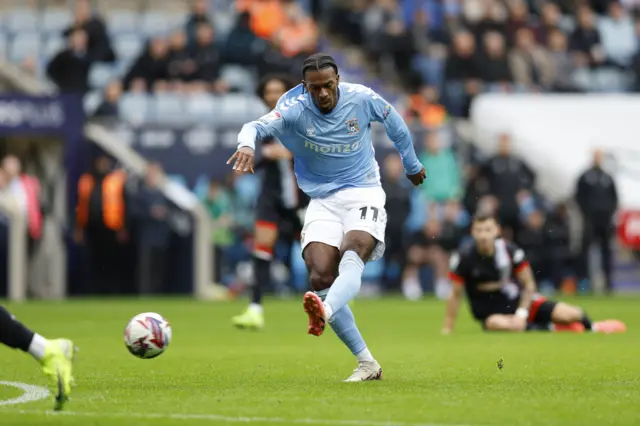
(524, 274)
(453, 304)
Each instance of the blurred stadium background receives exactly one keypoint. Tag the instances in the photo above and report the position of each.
(509, 101)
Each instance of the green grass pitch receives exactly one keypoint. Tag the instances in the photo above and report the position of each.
(214, 375)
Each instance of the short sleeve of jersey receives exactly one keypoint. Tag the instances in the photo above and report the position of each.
(518, 258)
(456, 269)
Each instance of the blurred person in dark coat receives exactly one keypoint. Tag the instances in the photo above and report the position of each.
(208, 58)
(69, 69)
(108, 108)
(154, 233)
(597, 198)
(98, 45)
(398, 208)
(508, 175)
(151, 67)
(557, 245)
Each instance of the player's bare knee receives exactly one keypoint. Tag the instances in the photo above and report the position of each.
(321, 279)
(566, 314)
(360, 242)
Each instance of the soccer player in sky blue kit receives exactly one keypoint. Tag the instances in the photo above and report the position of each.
(327, 127)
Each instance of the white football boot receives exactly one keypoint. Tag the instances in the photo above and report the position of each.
(366, 370)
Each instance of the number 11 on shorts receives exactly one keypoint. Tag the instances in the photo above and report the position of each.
(363, 213)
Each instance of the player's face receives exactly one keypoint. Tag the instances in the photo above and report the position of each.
(323, 87)
(485, 233)
(273, 90)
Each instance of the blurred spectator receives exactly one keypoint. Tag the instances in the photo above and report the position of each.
(483, 17)
(476, 190)
(519, 19)
(12, 168)
(299, 34)
(108, 108)
(585, 42)
(386, 34)
(151, 67)
(208, 59)
(69, 69)
(102, 223)
(398, 207)
(550, 17)
(154, 233)
(563, 66)
(98, 44)
(557, 246)
(531, 239)
(635, 62)
(494, 65)
(424, 249)
(424, 107)
(443, 166)
(181, 67)
(508, 175)
(198, 16)
(463, 74)
(243, 47)
(530, 63)
(218, 204)
(597, 198)
(618, 36)
(346, 19)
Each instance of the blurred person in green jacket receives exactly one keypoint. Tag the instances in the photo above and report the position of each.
(218, 203)
(444, 169)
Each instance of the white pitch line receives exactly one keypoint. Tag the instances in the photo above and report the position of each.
(31, 393)
(229, 419)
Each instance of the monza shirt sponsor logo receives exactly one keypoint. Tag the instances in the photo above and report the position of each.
(332, 148)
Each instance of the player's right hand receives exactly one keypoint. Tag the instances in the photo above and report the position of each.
(243, 160)
(418, 178)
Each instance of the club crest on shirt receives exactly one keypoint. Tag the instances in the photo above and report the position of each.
(311, 131)
(352, 126)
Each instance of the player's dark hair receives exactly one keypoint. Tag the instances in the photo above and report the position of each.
(317, 62)
(480, 217)
(285, 79)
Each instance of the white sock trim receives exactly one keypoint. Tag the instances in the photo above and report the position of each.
(38, 347)
(364, 355)
(255, 307)
(328, 312)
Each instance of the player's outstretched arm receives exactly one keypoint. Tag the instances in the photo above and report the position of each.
(526, 278)
(452, 308)
(399, 133)
(271, 124)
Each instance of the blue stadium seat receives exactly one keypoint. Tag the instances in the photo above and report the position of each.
(56, 21)
(100, 75)
(92, 101)
(235, 109)
(154, 23)
(201, 107)
(167, 108)
(134, 108)
(21, 20)
(53, 45)
(127, 46)
(25, 45)
(122, 22)
(239, 78)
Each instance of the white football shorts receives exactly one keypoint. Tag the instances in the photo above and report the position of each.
(328, 220)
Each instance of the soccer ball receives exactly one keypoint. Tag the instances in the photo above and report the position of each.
(147, 335)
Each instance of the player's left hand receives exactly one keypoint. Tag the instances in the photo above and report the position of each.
(418, 178)
(243, 160)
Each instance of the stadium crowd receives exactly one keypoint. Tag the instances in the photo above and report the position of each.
(442, 53)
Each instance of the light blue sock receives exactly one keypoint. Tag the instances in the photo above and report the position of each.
(348, 283)
(344, 325)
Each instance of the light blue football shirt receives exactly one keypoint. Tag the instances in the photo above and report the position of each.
(333, 151)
